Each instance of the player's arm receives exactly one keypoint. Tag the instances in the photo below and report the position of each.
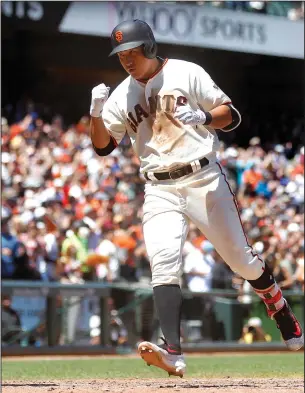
(223, 116)
(98, 132)
(215, 107)
(103, 144)
(104, 137)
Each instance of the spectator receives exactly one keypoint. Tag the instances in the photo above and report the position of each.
(25, 270)
(10, 247)
(257, 6)
(110, 271)
(263, 186)
(69, 271)
(198, 267)
(118, 331)
(128, 268)
(282, 274)
(52, 251)
(76, 238)
(222, 275)
(251, 179)
(15, 262)
(10, 322)
(253, 332)
(126, 243)
(296, 13)
(69, 267)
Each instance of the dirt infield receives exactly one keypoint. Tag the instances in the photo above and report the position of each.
(168, 385)
(132, 355)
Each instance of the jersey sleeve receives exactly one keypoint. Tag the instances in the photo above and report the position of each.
(207, 93)
(113, 120)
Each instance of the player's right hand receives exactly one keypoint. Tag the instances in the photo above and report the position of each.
(98, 98)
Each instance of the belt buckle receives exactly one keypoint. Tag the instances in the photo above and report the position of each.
(174, 171)
(170, 175)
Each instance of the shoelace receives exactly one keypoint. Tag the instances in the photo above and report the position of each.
(166, 347)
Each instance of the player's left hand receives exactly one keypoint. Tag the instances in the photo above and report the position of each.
(189, 116)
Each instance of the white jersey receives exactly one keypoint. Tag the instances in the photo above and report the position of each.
(146, 112)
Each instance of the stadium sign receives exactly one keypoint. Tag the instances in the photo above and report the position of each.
(184, 23)
(33, 15)
(192, 25)
(32, 10)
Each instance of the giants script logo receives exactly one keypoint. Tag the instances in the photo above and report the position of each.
(156, 104)
(119, 36)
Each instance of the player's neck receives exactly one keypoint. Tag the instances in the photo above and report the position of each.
(156, 64)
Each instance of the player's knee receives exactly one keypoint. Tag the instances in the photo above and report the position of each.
(166, 268)
(250, 268)
(170, 279)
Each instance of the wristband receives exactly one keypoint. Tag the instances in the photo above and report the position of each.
(95, 112)
(107, 149)
(208, 119)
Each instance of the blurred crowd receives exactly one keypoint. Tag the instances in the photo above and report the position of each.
(293, 10)
(66, 213)
(71, 216)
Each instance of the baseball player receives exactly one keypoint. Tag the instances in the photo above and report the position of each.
(170, 110)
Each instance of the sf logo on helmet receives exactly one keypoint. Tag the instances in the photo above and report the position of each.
(119, 36)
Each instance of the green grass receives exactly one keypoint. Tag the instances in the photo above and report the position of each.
(205, 366)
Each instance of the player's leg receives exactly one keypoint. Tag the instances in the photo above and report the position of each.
(165, 229)
(220, 222)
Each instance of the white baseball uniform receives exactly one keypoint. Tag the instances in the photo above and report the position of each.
(146, 112)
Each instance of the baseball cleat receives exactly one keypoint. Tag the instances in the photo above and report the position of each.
(170, 374)
(156, 356)
(290, 328)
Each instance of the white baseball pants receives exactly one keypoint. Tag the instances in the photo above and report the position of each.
(205, 198)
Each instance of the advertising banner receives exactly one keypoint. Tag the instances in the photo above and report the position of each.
(192, 25)
(177, 23)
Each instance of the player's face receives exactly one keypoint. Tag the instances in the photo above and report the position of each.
(135, 63)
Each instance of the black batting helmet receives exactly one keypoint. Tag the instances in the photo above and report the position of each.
(132, 33)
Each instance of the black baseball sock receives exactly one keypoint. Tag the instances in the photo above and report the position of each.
(267, 289)
(264, 281)
(168, 300)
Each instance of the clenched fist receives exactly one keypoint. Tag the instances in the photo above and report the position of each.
(98, 98)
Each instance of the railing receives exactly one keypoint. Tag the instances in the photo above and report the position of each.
(54, 291)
